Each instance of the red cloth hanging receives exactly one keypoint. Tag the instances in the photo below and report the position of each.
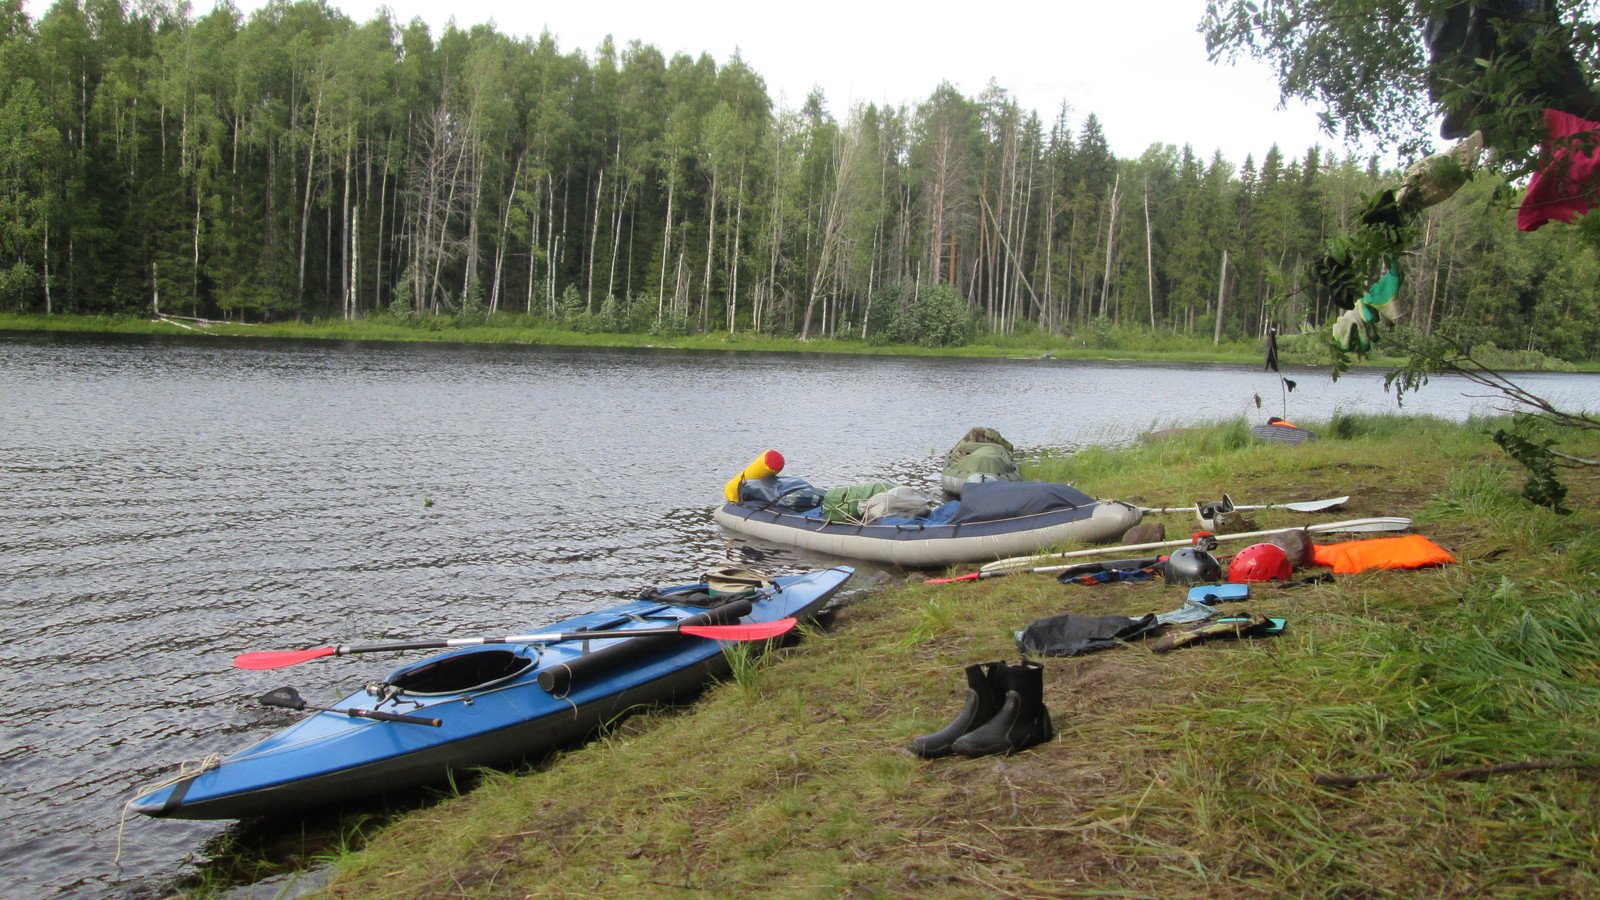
(1566, 187)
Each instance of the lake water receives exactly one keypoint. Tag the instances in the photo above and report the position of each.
(168, 503)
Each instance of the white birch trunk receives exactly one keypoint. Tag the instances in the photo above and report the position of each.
(666, 250)
(355, 260)
(47, 303)
(711, 252)
(305, 206)
(594, 242)
(1149, 257)
(738, 230)
(500, 245)
(1111, 240)
(1222, 283)
(622, 192)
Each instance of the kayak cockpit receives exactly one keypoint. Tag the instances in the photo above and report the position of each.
(457, 673)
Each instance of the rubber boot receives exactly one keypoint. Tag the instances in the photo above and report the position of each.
(986, 693)
(1021, 723)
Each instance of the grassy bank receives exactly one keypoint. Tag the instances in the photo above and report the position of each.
(1188, 774)
(1095, 341)
(1109, 342)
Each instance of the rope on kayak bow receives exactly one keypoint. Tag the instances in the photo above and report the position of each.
(186, 769)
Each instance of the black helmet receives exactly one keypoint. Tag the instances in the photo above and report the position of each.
(1192, 566)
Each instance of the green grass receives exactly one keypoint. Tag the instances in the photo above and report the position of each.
(1088, 343)
(1187, 774)
(1095, 341)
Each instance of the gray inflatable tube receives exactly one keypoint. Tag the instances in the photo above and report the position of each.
(932, 546)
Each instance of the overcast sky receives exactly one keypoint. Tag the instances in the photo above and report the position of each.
(1139, 64)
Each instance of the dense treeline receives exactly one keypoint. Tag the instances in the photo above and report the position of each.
(296, 163)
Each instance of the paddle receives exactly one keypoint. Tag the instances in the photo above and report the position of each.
(1064, 568)
(1380, 523)
(278, 659)
(289, 698)
(1298, 506)
(1086, 567)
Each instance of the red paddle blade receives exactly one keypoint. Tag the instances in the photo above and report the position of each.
(278, 659)
(756, 631)
(970, 576)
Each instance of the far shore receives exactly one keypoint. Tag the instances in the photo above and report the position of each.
(1102, 344)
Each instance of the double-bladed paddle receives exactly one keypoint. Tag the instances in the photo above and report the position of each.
(1297, 506)
(1378, 523)
(755, 631)
(1087, 568)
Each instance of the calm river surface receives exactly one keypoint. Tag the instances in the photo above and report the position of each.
(166, 504)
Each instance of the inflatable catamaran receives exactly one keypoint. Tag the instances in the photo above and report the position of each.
(880, 522)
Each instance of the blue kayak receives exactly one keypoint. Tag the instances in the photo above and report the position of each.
(494, 704)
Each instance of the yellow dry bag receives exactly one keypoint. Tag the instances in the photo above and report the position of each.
(768, 463)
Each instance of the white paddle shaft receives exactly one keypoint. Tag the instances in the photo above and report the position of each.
(1381, 523)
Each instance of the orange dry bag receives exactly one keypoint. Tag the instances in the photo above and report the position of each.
(1410, 552)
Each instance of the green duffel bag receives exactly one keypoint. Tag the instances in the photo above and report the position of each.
(843, 504)
(978, 462)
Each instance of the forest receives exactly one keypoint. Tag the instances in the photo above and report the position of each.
(297, 164)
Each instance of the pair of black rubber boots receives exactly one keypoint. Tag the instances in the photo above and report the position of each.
(1004, 713)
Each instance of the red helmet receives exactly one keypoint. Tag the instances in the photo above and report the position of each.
(1260, 562)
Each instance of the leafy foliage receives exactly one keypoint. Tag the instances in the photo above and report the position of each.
(1530, 440)
(938, 317)
(294, 163)
(934, 316)
(1533, 453)
(1383, 68)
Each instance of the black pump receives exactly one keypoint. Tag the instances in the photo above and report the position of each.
(986, 694)
(1021, 723)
